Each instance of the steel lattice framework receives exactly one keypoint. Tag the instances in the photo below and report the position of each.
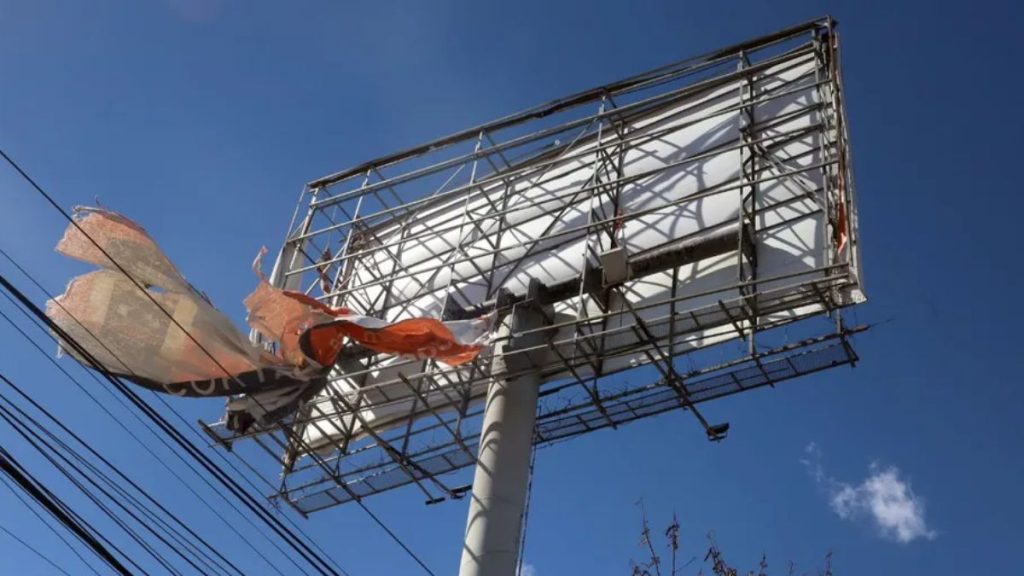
(366, 238)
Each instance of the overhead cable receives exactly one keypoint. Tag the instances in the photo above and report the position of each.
(10, 466)
(33, 550)
(123, 497)
(163, 440)
(247, 499)
(303, 549)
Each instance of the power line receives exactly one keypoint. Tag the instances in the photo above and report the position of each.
(78, 518)
(154, 394)
(30, 508)
(9, 465)
(160, 438)
(247, 500)
(361, 504)
(39, 444)
(171, 530)
(297, 544)
(33, 550)
(170, 316)
(55, 420)
(395, 537)
(96, 454)
(310, 556)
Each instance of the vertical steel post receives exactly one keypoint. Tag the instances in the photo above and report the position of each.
(500, 483)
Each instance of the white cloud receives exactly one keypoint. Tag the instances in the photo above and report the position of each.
(884, 497)
(528, 570)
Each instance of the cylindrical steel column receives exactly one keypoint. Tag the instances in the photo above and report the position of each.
(496, 509)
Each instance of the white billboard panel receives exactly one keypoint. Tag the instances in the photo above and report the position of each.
(748, 157)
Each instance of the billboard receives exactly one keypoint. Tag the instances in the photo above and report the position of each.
(673, 224)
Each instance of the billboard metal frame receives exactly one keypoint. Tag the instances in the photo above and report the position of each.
(338, 226)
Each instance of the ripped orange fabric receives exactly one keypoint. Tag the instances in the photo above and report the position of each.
(416, 337)
(316, 304)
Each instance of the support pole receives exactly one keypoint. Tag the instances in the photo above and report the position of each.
(491, 546)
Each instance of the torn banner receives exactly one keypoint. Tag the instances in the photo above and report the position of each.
(200, 352)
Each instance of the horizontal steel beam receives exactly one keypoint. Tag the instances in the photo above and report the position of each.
(554, 106)
(665, 257)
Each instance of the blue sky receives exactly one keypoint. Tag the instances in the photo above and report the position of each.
(201, 120)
